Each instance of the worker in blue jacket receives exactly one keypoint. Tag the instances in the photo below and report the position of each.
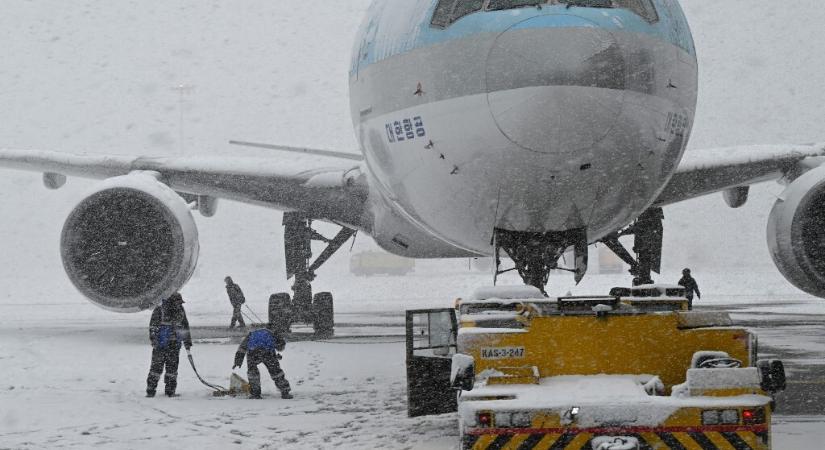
(262, 346)
(168, 330)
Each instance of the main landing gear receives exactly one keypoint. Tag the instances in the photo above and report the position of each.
(303, 306)
(647, 234)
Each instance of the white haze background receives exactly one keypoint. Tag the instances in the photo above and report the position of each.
(101, 76)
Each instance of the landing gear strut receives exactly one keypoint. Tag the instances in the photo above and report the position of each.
(647, 234)
(318, 309)
(536, 254)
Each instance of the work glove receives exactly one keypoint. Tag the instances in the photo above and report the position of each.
(188, 346)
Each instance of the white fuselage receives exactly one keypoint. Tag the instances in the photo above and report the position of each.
(525, 119)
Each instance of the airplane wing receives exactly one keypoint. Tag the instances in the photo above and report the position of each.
(336, 192)
(703, 172)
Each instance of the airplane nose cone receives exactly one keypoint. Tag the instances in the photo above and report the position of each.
(555, 83)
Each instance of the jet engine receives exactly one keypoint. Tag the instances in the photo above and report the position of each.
(129, 244)
(796, 232)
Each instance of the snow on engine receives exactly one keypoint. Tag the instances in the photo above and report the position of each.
(796, 232)
(130, 243)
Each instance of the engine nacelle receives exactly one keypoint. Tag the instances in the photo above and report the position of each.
(796, 232)
(129, 244)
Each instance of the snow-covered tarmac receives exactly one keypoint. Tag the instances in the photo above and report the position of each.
(73, 377)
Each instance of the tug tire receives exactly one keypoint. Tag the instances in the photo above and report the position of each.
(772, 372)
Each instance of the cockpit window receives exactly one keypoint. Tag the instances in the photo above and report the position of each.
(495, 5)
(589, 3)
(643, 8)
(443, 12)
(449, 11)
(466, 7)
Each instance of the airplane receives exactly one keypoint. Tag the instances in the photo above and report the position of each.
(517, 128)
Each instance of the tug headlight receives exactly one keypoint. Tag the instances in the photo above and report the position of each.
(522, 420)
(730, 416)
(506, 419)
(710, 418)
(721, 417)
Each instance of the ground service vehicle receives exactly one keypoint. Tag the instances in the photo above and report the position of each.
(377, 263)
(633, 370)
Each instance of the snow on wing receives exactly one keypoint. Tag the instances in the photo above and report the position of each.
(335, 191)
(703, 172)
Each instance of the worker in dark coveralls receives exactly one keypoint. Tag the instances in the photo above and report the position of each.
(690, 286)
(168, 329)
(262, 346)
(237, 300)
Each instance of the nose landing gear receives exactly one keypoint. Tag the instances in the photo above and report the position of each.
(536, 254)
(647, 234)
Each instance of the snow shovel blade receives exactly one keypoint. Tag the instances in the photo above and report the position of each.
(237, 385)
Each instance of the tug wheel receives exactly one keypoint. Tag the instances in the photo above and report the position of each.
(772, 372)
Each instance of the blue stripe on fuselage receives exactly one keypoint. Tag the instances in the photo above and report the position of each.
(379, 42)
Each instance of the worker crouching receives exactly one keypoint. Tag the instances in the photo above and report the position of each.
(168, 329)
(262, 346)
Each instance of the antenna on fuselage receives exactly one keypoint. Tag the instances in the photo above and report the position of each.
(309, 151)
(182, 89)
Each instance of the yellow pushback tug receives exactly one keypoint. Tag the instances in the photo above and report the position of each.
(633, 370)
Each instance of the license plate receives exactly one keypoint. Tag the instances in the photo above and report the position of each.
(502, 352)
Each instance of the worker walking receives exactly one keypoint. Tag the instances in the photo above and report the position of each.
(262, 346)
(168, 329)
(690, 285)
(237, 300)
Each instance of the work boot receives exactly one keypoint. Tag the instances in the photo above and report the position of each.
(286, 395)
(171, 384)
(254, 391)
(254, 396)
(150, 393)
